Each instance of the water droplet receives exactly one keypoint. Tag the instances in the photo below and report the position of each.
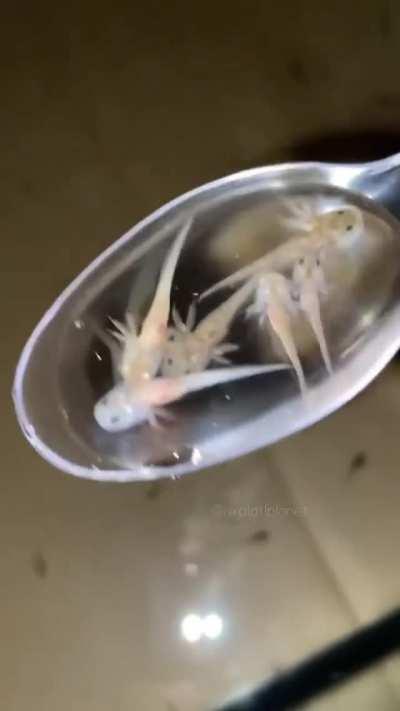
(79, 324)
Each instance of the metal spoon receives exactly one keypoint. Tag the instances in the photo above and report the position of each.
(53, 387)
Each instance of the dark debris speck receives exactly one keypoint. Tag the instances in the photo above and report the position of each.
(260, 536)
(39, 565)
(154, 490)
(358, 462)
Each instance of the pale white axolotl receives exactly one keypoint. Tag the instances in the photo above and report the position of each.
(309, 283)
(142, 352)
(274, 302)
(191, 350)
(314, 232)
(125, 406)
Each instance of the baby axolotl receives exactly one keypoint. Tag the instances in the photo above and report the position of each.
(309, 283)
(142, 351)
(314, 231)
(278, 298)
(190, 349)
(140, 395)
(125, 406)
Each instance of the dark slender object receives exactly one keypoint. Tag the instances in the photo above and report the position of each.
(336, 665)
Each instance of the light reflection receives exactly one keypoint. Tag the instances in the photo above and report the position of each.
(212, 626)
(196, 456)
(79, 324)
(194, 627)
(343, 175)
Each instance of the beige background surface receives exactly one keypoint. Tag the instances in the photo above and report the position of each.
(108, 110)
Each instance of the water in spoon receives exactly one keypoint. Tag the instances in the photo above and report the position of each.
(362, 275)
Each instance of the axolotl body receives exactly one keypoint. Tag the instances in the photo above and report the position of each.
(278, 299)
(314, 231)
(190, 349)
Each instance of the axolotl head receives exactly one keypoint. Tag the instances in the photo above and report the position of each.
(117, 410)
(347, 220)
(309, 268)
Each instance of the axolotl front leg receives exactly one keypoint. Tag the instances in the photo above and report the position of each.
(124, 407)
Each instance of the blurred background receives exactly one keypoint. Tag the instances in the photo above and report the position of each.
(107, 111)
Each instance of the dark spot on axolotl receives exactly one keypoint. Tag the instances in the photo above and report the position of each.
(357, 462)
(260, 536)
(39, 565)
(349, 228)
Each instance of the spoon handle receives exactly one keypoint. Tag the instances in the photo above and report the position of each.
(380, 180)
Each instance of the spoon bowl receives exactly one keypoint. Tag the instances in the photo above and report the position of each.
(65, 365)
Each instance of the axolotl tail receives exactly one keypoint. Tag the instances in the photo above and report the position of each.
(162, 391)
(160, 307)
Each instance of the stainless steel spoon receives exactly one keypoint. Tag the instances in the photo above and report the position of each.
(53, 387)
